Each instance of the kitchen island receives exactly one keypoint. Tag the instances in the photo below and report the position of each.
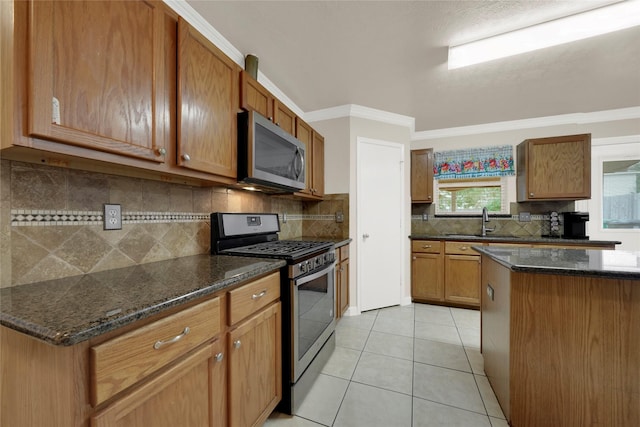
(560, 335)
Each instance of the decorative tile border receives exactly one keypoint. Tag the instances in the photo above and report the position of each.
(40, 217)
(500, 218)
(43, 217)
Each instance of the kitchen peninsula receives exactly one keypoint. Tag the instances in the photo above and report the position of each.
(560, 334)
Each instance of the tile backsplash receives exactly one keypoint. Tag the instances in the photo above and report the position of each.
(51, 220)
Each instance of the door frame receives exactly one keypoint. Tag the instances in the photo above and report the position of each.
(359, 211)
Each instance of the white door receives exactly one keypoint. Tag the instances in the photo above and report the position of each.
(380, 189)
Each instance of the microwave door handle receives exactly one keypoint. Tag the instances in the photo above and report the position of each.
(299, 163)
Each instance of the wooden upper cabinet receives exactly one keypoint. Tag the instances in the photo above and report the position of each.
(208, 85)
(317, 182)
(422, 176)
(557, 168)
(95, 76)
(284, 117)
(314, 161)
(304, 133)
(254, 96)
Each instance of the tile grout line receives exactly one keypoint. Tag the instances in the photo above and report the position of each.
(354, 370)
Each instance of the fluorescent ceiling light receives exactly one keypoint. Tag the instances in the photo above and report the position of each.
(603, 20)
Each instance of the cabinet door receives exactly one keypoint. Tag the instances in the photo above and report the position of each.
(343, 290)
(427, 277)
(96, 73)
(304, 133)
(284, 117)
(181, 396)
(462, 279)
(317, 170)
(208, 84)
(255, 371)
(253, 96)
(556, 168)
(422, 176)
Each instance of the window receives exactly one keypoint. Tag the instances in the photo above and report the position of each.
(621, 194)
(469, 196)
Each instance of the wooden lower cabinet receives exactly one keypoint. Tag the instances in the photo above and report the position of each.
(218, 374)
(427, 277)
(462, 279)
(342, 280)
(255, 368)
(186, 394)
(445, 272)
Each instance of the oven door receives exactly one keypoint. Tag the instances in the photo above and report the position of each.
(313, 321)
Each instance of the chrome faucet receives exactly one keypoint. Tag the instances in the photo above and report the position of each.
(485, 220)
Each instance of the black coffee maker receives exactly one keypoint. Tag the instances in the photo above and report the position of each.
(575, 225)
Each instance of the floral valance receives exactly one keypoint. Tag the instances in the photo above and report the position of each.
(474, 163)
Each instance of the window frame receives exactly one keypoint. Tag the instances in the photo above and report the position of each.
(501, 182)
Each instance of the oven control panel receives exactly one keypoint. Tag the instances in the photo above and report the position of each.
(309, 265)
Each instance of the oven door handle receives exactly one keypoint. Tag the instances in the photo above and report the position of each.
(306, 279)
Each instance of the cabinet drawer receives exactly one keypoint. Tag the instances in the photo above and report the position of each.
(344, 252)
(252, 297)
(125, 360)
(427, 246)
(461, 248)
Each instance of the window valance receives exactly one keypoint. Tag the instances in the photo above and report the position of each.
(474, 163)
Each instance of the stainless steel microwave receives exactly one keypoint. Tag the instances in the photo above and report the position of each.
(269, 157)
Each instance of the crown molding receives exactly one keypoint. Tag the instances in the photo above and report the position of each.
(538, 122)
(188, 13)
(354, 110)
(616, 140)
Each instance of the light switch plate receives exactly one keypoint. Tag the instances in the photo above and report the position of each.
(112, 217)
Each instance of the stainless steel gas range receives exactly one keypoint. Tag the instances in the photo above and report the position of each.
(307, 294)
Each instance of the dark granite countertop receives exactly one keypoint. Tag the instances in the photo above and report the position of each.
(513, 239)
(612, 264)
(74, 309)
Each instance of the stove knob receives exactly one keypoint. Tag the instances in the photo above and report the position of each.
(303, 267)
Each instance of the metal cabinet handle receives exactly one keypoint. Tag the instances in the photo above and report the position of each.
(464, 248)
(177, 338)
(415, 258)
(530, 194)
(219, 357)
(426, 247)
(270, 119)
(162, 151)
(260, 295)
(237, 343)
(186, 157)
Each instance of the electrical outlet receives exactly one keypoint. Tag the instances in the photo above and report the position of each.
(524, 217)
(284, 218)
(425, 217)
(339, 217)
(112, 217)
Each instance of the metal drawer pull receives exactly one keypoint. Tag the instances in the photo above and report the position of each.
(159, 343)
(237, 343)
(464, 248)
(260, 295)
(426, 247)
(219, 357)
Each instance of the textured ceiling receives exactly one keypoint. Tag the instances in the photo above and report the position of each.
(391, 55)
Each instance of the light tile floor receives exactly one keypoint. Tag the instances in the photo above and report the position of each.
(404, 366)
